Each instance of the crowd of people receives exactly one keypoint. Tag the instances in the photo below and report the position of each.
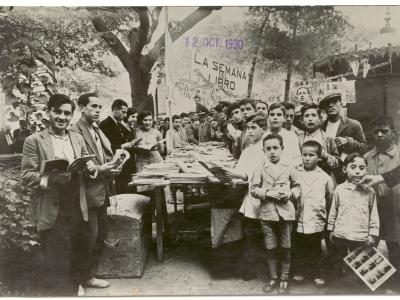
(308, 167)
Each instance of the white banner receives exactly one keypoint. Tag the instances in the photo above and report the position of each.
(227, 76)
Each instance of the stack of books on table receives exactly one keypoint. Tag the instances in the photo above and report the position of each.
(143, 179)
(189, 178)
(160, 169)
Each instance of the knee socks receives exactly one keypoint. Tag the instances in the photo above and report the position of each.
(272, 263)
(285, 263)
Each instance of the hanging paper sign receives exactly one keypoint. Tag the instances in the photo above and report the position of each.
(355, 65)
(366, 68)
(348, 91)
(226, 76)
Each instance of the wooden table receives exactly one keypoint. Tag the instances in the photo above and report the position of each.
(159, 185)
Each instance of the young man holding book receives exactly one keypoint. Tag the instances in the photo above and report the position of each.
(98, 189)
(59, 200)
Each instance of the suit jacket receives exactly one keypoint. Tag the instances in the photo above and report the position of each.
(392, 177)
(45, 202)
(117, 134)
(274, 177)
(352, 130)
(97, 190)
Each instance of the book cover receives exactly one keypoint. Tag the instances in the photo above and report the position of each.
(62, 165)
(120, 158)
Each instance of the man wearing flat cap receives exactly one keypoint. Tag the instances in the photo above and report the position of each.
(347, 133)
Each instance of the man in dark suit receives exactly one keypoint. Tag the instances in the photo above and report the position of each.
(200, 107)
(59, 202)
(118, 135)
(98, 189)
(347, 133)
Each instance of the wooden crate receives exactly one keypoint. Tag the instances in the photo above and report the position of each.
(129, 220)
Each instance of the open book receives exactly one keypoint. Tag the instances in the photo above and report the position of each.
(62, 165)
(218, 172)
(148, 147)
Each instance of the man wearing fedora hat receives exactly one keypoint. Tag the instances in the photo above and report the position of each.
(347, 133)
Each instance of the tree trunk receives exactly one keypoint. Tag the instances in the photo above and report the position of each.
(139, 66)
(290, 62)
(254, 59)
(288, 79)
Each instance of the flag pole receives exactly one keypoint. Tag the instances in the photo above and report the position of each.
(167, 92)
(2, 109)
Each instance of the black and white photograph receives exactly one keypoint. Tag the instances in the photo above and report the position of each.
(371, 266)
(191, 150)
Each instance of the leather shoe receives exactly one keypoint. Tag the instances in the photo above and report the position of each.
(319, 283)
(96, 283)
(270, 286)
(298, 279)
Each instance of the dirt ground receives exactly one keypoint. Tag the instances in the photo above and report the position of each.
(192, 268)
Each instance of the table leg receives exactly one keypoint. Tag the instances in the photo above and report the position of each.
(173, 192)
(165, 217)
(159, 221)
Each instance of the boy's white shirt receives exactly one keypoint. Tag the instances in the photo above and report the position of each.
(315, 185)
(250, 158)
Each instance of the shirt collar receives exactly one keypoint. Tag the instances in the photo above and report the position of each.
(391, 151)
(314, 134)
(64, 138)
(300, 167)
(93, 124)
(267, 163)
(351, 186)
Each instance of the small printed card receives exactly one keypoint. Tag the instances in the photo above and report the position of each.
(370, 265)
